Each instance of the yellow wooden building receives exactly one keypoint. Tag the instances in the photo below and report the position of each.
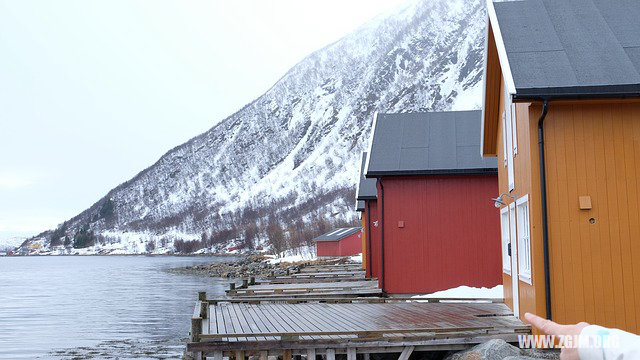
(562, 115)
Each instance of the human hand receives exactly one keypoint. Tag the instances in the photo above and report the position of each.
(551, 328)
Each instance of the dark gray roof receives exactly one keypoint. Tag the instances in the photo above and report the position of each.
(432, 143)
(337, 234)
(577, 48)
(359, 205)
(366, 187)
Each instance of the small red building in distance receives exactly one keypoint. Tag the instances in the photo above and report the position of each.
(438, 226)
(339, 242)
(367, 200)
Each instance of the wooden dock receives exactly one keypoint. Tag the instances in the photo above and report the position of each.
(345, 280)
(361, 326)
(331, 309)
(356, 288)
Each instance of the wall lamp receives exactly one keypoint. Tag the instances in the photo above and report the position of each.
(497, 201)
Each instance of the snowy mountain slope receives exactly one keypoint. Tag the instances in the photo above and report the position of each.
(294, 151)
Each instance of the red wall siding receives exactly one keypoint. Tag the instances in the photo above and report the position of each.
(351, 245)
(451, 234)
(373, 239)
(327, 248)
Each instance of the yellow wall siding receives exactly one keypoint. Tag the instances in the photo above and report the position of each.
(594, 149)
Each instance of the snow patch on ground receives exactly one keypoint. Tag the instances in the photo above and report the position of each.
(467, 292)
(302, 253)
(356, 258)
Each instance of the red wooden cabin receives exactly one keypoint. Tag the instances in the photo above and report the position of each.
(438, 228)
(367, 196)
(339, 242)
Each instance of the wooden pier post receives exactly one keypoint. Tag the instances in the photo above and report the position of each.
(196, 329)
(202, 295)
(406, 352)
(311, 354)
(232, 286)
(252, 280)
(331, 354)
(245, 283)
(239, 355)
(286, 355)
(204, 309)
(351, 354)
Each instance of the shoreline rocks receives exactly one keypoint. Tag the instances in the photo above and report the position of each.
(257, 266)
(498, 349)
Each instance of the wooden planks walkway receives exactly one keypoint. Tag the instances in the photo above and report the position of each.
(346, 280)
(362, 325)
(332, 309)
(362, 287)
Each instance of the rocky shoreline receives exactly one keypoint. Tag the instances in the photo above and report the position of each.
(258, 266)
(252, 265)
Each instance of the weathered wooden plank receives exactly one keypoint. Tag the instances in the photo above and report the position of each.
(331, 354)
(406, 352)
(311, 354)
(304, 280)
(313, 320)
(286, 355)
(286, 318)
(368, 299)
(351, 354)
(231, 322)
(312, 285)
(238, 326)
(364, 333)
(253, 318)
(458, 342)
(250, 326)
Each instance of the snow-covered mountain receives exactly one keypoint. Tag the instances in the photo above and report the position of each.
(293, 153)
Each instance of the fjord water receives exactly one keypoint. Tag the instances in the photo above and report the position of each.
(98, 307)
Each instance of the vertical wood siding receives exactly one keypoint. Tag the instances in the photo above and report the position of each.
(348, 246)
(374, 269)
(363, 224)
(327, 248)
(594, 149)
(351, 245)
(450, 235)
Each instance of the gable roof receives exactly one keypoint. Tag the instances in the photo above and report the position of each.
(568, 48)
(337, 234)
(366, 187)
(429, 143)
(360, 206)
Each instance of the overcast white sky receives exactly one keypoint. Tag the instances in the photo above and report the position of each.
(92, 92)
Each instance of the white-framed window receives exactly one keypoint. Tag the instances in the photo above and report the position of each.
(509, 132)
(505, 152)
(510, 111)
(504, 234)
(524, 239)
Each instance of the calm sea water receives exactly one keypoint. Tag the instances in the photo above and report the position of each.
(98, 307)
